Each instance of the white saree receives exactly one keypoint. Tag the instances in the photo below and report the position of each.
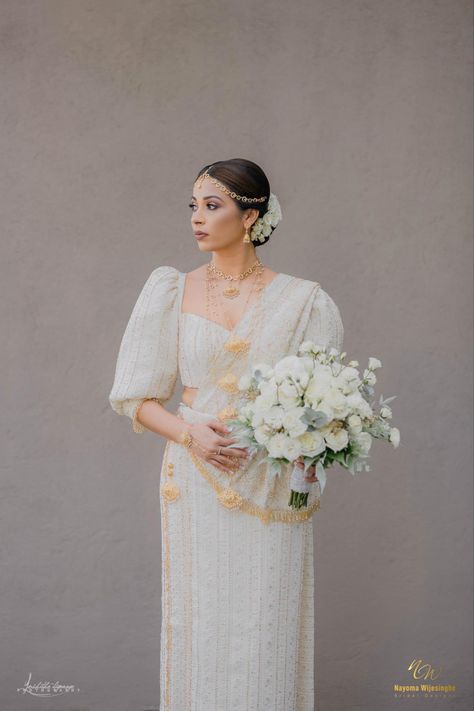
(237, 630)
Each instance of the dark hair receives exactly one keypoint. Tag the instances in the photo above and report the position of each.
(244, 178)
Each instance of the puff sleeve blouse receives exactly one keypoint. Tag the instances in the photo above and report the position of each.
(325, 326)
(147, 362)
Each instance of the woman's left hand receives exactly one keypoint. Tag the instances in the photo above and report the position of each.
(310, 472)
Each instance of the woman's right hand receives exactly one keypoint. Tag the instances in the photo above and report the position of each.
(212, 435)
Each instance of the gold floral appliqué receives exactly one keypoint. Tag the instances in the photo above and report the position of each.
(230, 499)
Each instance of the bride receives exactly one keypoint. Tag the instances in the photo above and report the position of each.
(237, 629)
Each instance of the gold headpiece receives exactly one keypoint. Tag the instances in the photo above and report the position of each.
(232, 194)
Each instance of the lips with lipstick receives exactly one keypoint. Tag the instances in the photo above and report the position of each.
(200, 235)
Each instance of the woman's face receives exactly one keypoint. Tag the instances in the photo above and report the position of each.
(215, 213)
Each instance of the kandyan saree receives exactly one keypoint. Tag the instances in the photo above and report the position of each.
(237, 626)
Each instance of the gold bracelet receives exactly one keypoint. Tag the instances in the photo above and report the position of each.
(186, 438)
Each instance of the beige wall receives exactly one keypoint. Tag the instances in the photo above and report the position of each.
(360, 112)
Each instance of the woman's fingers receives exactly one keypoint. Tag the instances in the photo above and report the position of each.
(233, 452)
(310, 472)
(220, 464)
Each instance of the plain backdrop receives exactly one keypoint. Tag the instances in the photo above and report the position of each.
(360, 112)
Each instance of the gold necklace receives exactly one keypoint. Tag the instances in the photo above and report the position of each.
(230, 292)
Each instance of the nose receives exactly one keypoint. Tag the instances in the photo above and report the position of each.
(196, 219)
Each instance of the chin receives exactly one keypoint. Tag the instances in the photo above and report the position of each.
(203, 247)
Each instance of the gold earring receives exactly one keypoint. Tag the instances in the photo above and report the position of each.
(246, 235)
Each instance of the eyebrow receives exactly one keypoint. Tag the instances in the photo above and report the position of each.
(206, 197)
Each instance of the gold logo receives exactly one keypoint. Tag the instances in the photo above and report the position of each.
(420, 684)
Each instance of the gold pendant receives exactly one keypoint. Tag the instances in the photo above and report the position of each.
(230, 499)
(227, 412)
(170, 491)
(237, 345)
(229, 383)
(230, 292)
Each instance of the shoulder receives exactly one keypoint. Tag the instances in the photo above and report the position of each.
(164, 272)
(160, 288)
(163, 278)
(321, 299)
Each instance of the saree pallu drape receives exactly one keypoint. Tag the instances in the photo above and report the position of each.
(237, 631)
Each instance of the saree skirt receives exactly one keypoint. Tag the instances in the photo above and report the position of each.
(237, 629)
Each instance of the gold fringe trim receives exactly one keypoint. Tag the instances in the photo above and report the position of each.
(231, 499)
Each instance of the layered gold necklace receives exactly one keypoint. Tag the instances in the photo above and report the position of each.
(230, 292)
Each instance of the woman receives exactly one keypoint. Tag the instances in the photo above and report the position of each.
(237, 582)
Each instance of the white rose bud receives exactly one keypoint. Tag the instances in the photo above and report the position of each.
(374, 363)
(370, 377)
(394, 436)
(386, 412)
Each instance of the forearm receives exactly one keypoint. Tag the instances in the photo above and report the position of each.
(156, 418)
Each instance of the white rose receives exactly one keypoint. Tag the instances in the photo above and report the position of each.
(355, 424)
(276, 445)
(287, 366)
(269, 388)
(337, 439)
(293, 423)
(374, 363)
(359, 405)
(312, 443)
(262, 434)
(288, 394)
(386, 412)
(349, 379)
(292, 449)
(319, 383)
(337, 402)
(394, 436)
(274, 417)
(265, 402)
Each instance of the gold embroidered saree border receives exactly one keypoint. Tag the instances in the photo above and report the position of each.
(232, 500)
(167, 594)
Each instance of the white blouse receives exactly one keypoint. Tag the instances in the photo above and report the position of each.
(160, 341)
(199, 339)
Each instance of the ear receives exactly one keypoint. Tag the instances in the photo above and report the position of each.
(251, 216)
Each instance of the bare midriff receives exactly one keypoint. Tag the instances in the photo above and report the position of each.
(189, 395)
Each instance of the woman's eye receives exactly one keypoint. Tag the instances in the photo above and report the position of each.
(209, 204)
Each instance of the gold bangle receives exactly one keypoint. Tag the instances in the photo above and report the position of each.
(186, 438)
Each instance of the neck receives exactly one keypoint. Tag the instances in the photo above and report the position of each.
(234, 264)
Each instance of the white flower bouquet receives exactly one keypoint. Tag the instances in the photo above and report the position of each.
(314, 409)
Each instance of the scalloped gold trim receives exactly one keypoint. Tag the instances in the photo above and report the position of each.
(265, 515)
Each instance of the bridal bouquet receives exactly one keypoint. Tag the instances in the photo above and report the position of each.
(313, 408)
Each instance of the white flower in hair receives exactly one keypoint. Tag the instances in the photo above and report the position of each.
(262, 227)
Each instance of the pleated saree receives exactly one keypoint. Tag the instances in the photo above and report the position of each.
(237, 629)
